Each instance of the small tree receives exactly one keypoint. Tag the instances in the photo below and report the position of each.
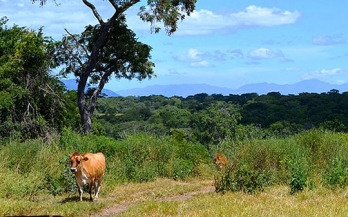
(100, 51)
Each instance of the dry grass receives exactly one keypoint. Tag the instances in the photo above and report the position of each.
(161, 188)
(165, 197)
(110, 196)
(275, 201)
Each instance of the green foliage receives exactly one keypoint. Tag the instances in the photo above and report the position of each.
(298, 161)
(16, 186)
(334, 125)
(336, 174)
(299, 173)
(181, 169)
(216, 123)
(321, 145)
(32, 103)
(241, 178)
(265, 116)
(253, 165)
(144, 157)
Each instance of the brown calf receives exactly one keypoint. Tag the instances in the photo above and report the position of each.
(220, 160)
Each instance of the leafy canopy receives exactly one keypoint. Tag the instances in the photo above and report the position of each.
(31, 99)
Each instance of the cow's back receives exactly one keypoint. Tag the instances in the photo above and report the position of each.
(95, 165)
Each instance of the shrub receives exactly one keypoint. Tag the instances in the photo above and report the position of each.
(299, 173)
(242, 178)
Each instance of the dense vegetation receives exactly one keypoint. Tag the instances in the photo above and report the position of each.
(212, 118)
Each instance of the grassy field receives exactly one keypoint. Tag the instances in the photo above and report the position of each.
(304, 175)
(274, 201)
(165, 197)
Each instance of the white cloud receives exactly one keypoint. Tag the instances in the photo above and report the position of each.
(200, 64)
(192, 55)
(201, 22)
(237, 53)
(325, 73)
(72, 15)
(259, 16)
(265, 53)
(204, 22)
(328, 39)
(197, 58)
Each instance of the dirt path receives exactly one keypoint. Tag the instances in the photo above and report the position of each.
(121, 207)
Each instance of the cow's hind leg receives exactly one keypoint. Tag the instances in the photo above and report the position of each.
(90, 191)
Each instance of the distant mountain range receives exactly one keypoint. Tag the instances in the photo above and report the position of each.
(71, 84)
(184, 90)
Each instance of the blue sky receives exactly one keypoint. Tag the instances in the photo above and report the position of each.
(226, 43)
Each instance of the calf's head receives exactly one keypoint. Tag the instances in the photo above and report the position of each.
(220, 160)
(75, 160)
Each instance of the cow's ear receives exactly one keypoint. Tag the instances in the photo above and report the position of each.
(85, 158)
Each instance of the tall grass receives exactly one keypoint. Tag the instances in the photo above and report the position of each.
(301, 161)
(35, 167)
(37, 171)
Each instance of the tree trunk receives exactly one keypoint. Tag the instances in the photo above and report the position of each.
(86, 121)
(84, 111)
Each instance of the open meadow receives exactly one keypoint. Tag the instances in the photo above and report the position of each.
(303, 175)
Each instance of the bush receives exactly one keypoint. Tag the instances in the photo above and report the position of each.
(299, 173)
(242, 178)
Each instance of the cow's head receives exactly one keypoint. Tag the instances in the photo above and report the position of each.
(75, 160)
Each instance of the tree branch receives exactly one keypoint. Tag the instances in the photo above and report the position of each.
(113, 3)
(98, 90)
(70, 51)
(94, 10)
(83, 47)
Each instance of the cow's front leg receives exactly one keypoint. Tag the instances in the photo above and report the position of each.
(80, 192)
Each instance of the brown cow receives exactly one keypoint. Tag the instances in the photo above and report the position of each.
(88, 169)
(220, 160)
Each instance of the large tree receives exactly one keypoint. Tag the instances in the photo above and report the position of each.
(110, 48)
